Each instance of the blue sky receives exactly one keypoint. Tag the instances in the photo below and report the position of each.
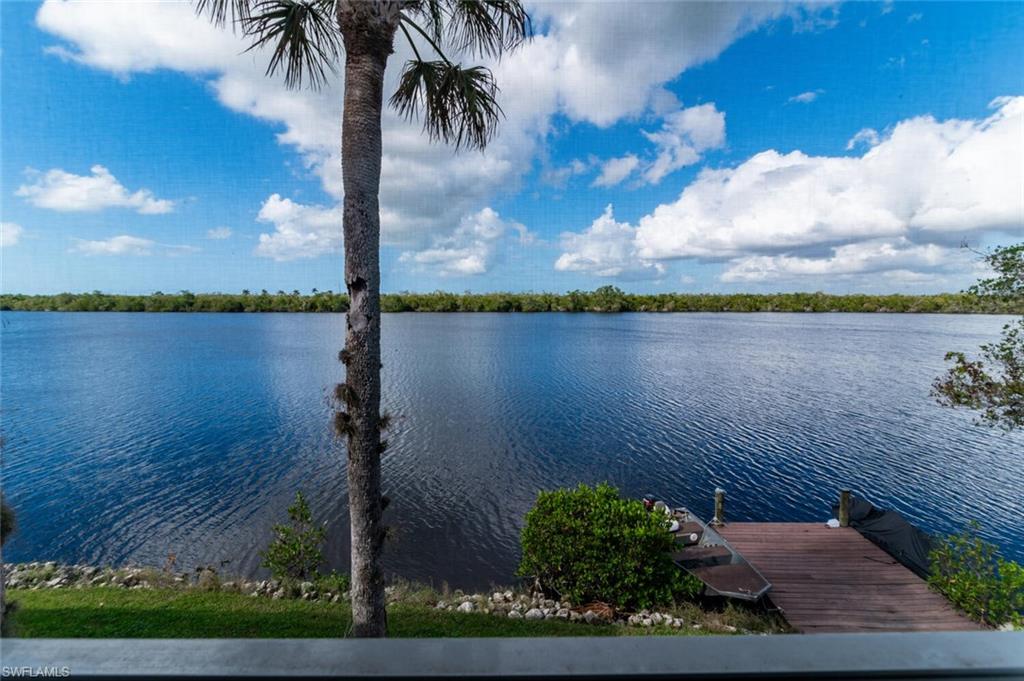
(657, 147)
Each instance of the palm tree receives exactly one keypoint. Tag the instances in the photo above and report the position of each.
(458, 106)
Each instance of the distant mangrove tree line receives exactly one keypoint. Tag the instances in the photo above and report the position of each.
(604, 299)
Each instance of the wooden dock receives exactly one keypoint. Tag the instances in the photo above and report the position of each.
(835, 580)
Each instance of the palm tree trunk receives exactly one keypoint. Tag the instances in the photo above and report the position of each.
(368, 42)
(4, 624)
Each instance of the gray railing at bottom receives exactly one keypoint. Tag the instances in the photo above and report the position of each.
(967, 655)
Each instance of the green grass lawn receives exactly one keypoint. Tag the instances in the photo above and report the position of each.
(191, 613)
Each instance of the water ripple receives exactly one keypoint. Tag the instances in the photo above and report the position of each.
(133, 436)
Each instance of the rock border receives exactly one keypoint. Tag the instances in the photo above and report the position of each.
(508, 603)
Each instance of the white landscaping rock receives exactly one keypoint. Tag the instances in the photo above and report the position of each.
(515, 615)
(534, 614)
(467, 607)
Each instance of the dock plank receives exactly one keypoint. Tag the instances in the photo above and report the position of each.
(835, 580)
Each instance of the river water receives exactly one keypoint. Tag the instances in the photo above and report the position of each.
(133, 436)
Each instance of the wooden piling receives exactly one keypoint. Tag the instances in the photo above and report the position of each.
(844, 508)
(719, 518)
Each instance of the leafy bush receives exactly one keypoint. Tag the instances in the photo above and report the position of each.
(992, 385)
(335, 581)
(591, 544)
(970, 572)
(295, 552)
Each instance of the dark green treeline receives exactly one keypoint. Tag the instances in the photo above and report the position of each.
(604, 299)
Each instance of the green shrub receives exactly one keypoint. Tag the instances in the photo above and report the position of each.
(969, 571)
(335, 581)
(295, 553)
(590, 544)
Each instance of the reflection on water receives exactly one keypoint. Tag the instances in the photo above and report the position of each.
(131, 436)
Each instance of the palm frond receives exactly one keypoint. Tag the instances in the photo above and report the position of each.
(222, 12)
(487, 27)
(479, 27)
(305, 39)
(459, 106)
(432, 13)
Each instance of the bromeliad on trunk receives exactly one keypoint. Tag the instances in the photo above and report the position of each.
(458, 105)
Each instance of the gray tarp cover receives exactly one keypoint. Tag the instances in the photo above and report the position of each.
(890, 531)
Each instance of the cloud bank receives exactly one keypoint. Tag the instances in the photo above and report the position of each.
(472, 247)
(922, 187)
(426, 190)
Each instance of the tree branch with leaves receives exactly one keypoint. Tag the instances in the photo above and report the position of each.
(993, 384)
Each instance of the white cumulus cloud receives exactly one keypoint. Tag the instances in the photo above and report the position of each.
(10, 234)
(607, 249)
(806, 97)
(927, 177)
(300, 230)
(63, 191)
(472, 247)
(615, 170)
(426, 189)
(859, 258)
(930, 182)
(683, 138)
(559, 176)
(868, 136)
(126, 244)
(599, 84)
(219, 233)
